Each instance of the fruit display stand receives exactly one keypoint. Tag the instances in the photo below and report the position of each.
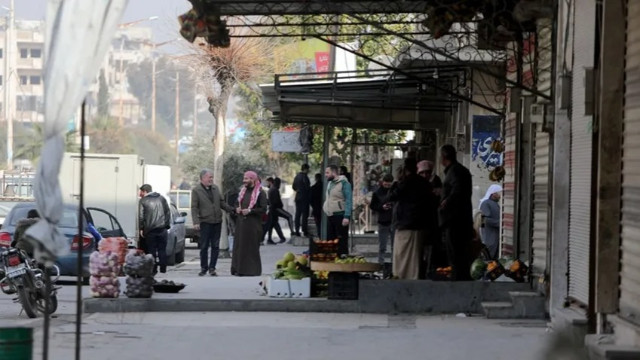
(291, 278)
(343, 278)
(322, 251)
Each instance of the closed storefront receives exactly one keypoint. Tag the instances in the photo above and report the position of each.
(581, 154)
(630, 254)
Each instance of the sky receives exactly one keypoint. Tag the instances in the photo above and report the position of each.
(164, 28)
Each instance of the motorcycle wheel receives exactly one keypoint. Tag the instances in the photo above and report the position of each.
(53, 303)
(27, 299)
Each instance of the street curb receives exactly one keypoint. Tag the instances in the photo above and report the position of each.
(124, 305)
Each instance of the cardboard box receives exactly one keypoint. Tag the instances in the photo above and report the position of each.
(289, 288)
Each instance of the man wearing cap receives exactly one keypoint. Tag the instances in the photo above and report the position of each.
(425, 169)
(154, 219)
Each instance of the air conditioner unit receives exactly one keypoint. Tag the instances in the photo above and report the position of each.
(536, 113)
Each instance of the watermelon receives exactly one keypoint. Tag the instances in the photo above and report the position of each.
(478, 268)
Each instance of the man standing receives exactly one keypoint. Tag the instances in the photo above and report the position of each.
(425, 169)
(456, 213)
(302, 187)
(384, 209)
(337, 206)
(206, 211)
(275, 204)
(154, 219)
(413, 221)
(252, 204)
(316, 202)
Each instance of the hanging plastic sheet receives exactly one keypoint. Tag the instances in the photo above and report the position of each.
(78, 35)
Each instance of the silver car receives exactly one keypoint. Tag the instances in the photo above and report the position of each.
(176, 237)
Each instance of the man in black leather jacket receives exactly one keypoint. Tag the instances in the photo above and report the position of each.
(154, 218)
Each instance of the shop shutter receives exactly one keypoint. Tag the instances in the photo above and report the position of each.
(539, 238)
(581, 154)
(542, 153)
(630, 267)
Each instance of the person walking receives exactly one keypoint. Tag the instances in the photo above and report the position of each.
(206, 211)
(490, 228)
(154, 219)
(413, 221)
(384, 209)
(275, 203)
(252, 204)
(456, 213)
(302, 187)
(316, 203)
(338, 207)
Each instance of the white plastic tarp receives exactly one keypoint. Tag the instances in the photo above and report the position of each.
(78, 35)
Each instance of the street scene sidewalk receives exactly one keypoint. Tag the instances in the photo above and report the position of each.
(284, 336)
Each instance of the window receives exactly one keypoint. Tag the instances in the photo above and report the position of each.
(35, 80)
(24, 80)
(1, 53)
(24, 53)
(36, 53)
(29, 103)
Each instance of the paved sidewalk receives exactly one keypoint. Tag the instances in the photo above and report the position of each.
(285, 336)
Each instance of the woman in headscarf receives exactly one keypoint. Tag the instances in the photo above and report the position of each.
(490, 228)
(252, 204)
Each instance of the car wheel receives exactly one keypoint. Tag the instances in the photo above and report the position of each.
(171, 258)
(180, 256)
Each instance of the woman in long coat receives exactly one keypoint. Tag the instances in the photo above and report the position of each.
(252, 204)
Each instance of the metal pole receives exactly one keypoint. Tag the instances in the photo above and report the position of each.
(153, 92)
(354, 138)
(79, 264)
(121, 115)
(8, 95)
(325, 163)
(177, 121)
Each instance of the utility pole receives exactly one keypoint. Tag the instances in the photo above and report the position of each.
(153, 91)
(195, 115)
(9, 97)
(177, 116)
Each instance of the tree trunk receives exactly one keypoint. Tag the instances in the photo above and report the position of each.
(219, 140)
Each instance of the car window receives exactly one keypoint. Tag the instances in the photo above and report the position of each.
(102, 221)
(69, 217)
(184, 200)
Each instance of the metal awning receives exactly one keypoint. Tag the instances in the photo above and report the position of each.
(354, 99)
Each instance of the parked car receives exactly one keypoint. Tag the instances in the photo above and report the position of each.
(106, 224)
(176, 237)
(182, 200)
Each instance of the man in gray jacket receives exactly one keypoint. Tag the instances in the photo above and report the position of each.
(154, 219)
(206, 210)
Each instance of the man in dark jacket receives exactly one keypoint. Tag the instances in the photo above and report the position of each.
(316, 202)
(154, 219)
(275, 204)
(456, 213)
(206, 212)
(385, 216)
(302, 187)
(413, 220)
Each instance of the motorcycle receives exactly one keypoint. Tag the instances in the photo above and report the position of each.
(22, 275)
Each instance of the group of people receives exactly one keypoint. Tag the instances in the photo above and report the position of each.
(429, 222)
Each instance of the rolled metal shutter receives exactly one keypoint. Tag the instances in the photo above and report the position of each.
(630, 267)
(542, 155)
(581, 154)
(540, 221)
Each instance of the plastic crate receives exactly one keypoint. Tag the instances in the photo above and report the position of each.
(343, 286)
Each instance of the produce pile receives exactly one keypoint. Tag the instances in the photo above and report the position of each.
(494, 269)
(115, 245)
(139, 270)
(292, 268)
(104, 270)
(324, 250)
(350, 260)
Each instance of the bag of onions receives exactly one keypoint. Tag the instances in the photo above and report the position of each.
(116, 245)
(138, 265)
(139, 287)
(104, 286)
(104, 264)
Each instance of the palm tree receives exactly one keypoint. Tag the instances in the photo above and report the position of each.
(30, 144)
